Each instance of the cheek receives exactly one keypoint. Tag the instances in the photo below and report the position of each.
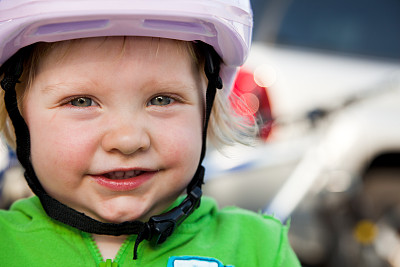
(181, 144)
(59, 144)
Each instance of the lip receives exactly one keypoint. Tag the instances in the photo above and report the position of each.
(126, 184)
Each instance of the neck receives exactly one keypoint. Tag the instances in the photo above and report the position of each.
(109, 245)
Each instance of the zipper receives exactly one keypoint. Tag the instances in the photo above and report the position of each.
(92, 246)
(108, 263)
(124, 246)
(95, 251)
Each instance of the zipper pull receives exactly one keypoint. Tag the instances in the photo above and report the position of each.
(108, 263)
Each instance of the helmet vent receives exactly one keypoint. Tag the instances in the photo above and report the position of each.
(179, 26)
(75, 26)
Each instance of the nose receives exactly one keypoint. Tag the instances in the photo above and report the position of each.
(126, 136)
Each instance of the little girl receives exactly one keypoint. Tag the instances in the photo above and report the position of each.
(108, 105)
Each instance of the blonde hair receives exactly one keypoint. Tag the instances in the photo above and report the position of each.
(226, 127)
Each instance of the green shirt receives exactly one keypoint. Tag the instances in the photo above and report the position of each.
(231, 236)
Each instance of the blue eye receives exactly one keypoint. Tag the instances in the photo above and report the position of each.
(161, 101)
(82, 102)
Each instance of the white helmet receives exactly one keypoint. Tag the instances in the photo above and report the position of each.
(226, 25)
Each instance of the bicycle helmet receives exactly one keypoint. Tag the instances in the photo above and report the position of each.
(226, 25)
(221, 28)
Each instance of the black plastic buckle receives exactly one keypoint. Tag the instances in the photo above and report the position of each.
(162, 226)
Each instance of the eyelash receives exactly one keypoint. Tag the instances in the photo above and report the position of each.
(173, 99)
(161, 98)
(70, 101)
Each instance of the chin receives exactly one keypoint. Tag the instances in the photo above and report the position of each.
(119, 217)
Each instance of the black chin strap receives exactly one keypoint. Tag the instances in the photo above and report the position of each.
(159, 227)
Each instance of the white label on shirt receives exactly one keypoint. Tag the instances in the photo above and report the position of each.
(194, 263)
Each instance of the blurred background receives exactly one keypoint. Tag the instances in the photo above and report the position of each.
(323, 82)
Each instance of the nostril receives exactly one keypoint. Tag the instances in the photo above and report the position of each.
(126, 140)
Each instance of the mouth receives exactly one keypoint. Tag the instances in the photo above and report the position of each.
(124, 180)
(120, 175)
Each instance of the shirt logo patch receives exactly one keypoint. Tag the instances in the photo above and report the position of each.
(194, 261)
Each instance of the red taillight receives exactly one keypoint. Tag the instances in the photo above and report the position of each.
(252, 101)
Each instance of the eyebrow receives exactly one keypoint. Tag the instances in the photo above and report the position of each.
(173, 84)
(61, 86)
(178, 86)
(49, 88)
(161, 85)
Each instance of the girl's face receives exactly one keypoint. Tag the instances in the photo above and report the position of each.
(116, 125)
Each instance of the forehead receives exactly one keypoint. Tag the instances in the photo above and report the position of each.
(100, 57)
(114, 61)
(105, 48)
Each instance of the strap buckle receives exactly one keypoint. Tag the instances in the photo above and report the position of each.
(162, 226)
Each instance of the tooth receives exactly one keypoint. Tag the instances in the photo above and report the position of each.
(129, 174)
(119, 175)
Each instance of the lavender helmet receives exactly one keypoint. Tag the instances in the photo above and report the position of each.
(226, 25)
